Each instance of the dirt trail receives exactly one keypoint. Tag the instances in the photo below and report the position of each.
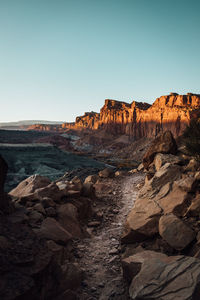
(99, 256)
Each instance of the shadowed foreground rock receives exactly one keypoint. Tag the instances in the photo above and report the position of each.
(27, 270)
(166, 278)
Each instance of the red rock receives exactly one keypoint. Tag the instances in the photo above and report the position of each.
(165, 143)
(172, 112)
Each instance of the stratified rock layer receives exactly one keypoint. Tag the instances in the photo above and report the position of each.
(172, 112)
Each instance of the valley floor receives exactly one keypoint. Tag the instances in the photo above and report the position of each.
(99, 255)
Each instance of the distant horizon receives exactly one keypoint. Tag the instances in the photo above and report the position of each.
(61, 58)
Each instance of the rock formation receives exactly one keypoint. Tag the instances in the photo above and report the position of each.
(172, 112)
(36, 235)
(162, 232)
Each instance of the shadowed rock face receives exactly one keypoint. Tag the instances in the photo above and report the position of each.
(172, 112)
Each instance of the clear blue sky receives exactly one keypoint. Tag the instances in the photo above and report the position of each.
(60, 58)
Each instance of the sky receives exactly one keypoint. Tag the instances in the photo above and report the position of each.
(60, 58)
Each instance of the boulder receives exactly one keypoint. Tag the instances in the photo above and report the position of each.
(39, 207)
(176, 201)
(166, 175)
(140, 167)
(63, 187)
(119, 173)
(187, 184)
(47, 202)
(131, 265)
(107, 172)
(68, 218)
(161, 159)
(29, 186)
(166, 278)
(165, 143)
(52, 230)
(35, 216)
(142, 221)
(88, 190)
(175, 232)
(193, 165)
(194, 208)
(49, 191)
(77, 183)
(91, 179)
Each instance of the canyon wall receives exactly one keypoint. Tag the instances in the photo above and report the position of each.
(172, 112)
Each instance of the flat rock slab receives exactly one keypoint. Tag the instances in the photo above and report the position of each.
(166, 278)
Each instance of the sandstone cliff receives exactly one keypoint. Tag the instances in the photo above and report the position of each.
(172, 112)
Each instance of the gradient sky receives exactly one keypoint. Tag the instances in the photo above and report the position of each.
(60, 58)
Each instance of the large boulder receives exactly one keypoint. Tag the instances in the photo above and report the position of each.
(164, 143)
(176, 201)
(132, 264)
(68, 218)
(165, 176)
(175, 232)
(142, 222)
(166, 278)
(29, 186)
(50, 191)
(52, 230)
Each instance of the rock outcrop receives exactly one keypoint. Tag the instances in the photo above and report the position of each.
(157, 276)
(165, 219)
(165, 143)
(36, 253)
(172, 112)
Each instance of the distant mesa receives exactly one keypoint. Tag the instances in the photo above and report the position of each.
(137, 119)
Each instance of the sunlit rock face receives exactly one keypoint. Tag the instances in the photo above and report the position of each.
(172, 112)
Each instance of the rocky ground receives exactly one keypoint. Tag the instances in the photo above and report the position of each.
(99, 255)
(113, 235)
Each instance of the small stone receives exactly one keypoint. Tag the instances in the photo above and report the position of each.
(113, 251)
(94, 224)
